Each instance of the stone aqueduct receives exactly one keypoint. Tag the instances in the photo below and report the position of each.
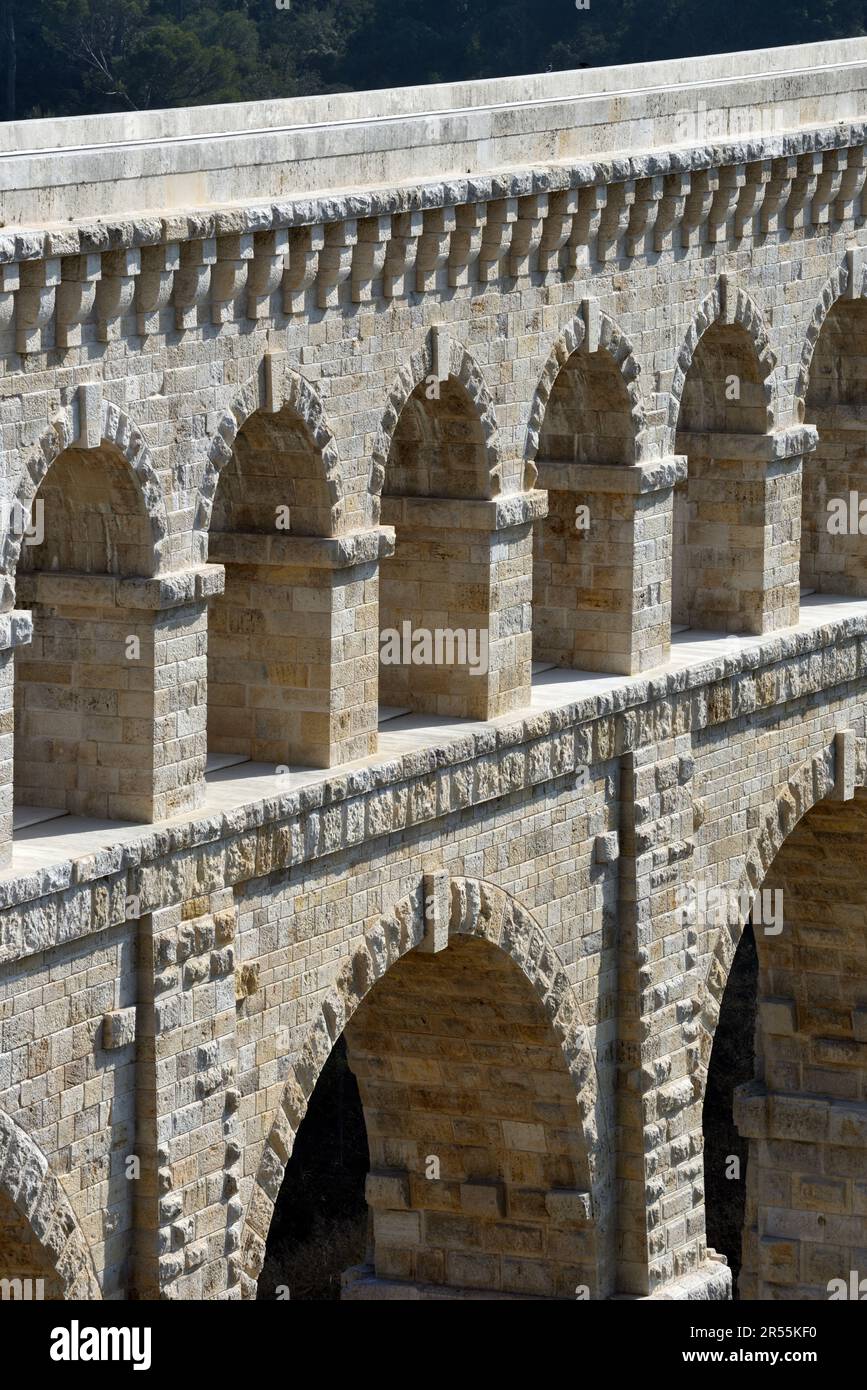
(422, 329)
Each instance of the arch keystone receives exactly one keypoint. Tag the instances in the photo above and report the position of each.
(88, 406)
(437, 912)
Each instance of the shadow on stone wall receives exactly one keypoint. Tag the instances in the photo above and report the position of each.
(320, 1220)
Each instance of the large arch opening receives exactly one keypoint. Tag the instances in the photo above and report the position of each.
(584, 550)
(86, 722)
(835, 475)
(726, 504)
(275, 647)
(804, 1113)
(479, 1179)
(437, 591)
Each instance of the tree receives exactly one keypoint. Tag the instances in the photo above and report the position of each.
(68, 57)
(9, 60)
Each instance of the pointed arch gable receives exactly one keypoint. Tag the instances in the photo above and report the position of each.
(120, 433)
(478, 909)
(714, 309)
(613, 341)
(37, 1195)
(299, 396)
(847, 280)
(466, 370)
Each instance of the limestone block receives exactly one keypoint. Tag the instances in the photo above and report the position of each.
(779, 1016)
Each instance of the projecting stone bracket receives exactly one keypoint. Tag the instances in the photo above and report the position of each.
(763, 1114)
(118, 1028)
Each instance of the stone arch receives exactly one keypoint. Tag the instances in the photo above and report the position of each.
(101, 533)
(39, 1200)
(837, 284)
(613, 341)
(271, 503)
(587, 422)
(798, 1103)
(720, 412)
(829, 397)
(809, 785)
(300, 397)
(748, 316)
(466, 371)
(479, 910)
(438, 475)
(120, 433)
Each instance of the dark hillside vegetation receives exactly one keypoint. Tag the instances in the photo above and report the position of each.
(75, 57)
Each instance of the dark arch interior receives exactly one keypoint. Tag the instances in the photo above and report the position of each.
(319, 1227)
(732, 1062)
(477, 1155)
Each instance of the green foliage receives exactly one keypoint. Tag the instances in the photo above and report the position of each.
(71, 57)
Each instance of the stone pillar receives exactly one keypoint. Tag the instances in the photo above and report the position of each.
(293, 647)
(739, 517)
(660, 1212)
(189, 1139)
(111, 695)
(602, 571)
(461, 573)
(16, 629)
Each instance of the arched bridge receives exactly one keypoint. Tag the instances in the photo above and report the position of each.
(434, 620)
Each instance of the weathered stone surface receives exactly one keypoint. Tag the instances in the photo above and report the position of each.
(268, 428)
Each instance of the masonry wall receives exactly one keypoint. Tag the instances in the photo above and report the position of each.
(805, 1114)
(179, 993)
(68, 1078)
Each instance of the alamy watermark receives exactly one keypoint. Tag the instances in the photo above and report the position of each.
(77, 1343)
(20, 1290)
(18, 520)
(853, 1289)
(847, 516)
(711, 906)
(437, 646)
